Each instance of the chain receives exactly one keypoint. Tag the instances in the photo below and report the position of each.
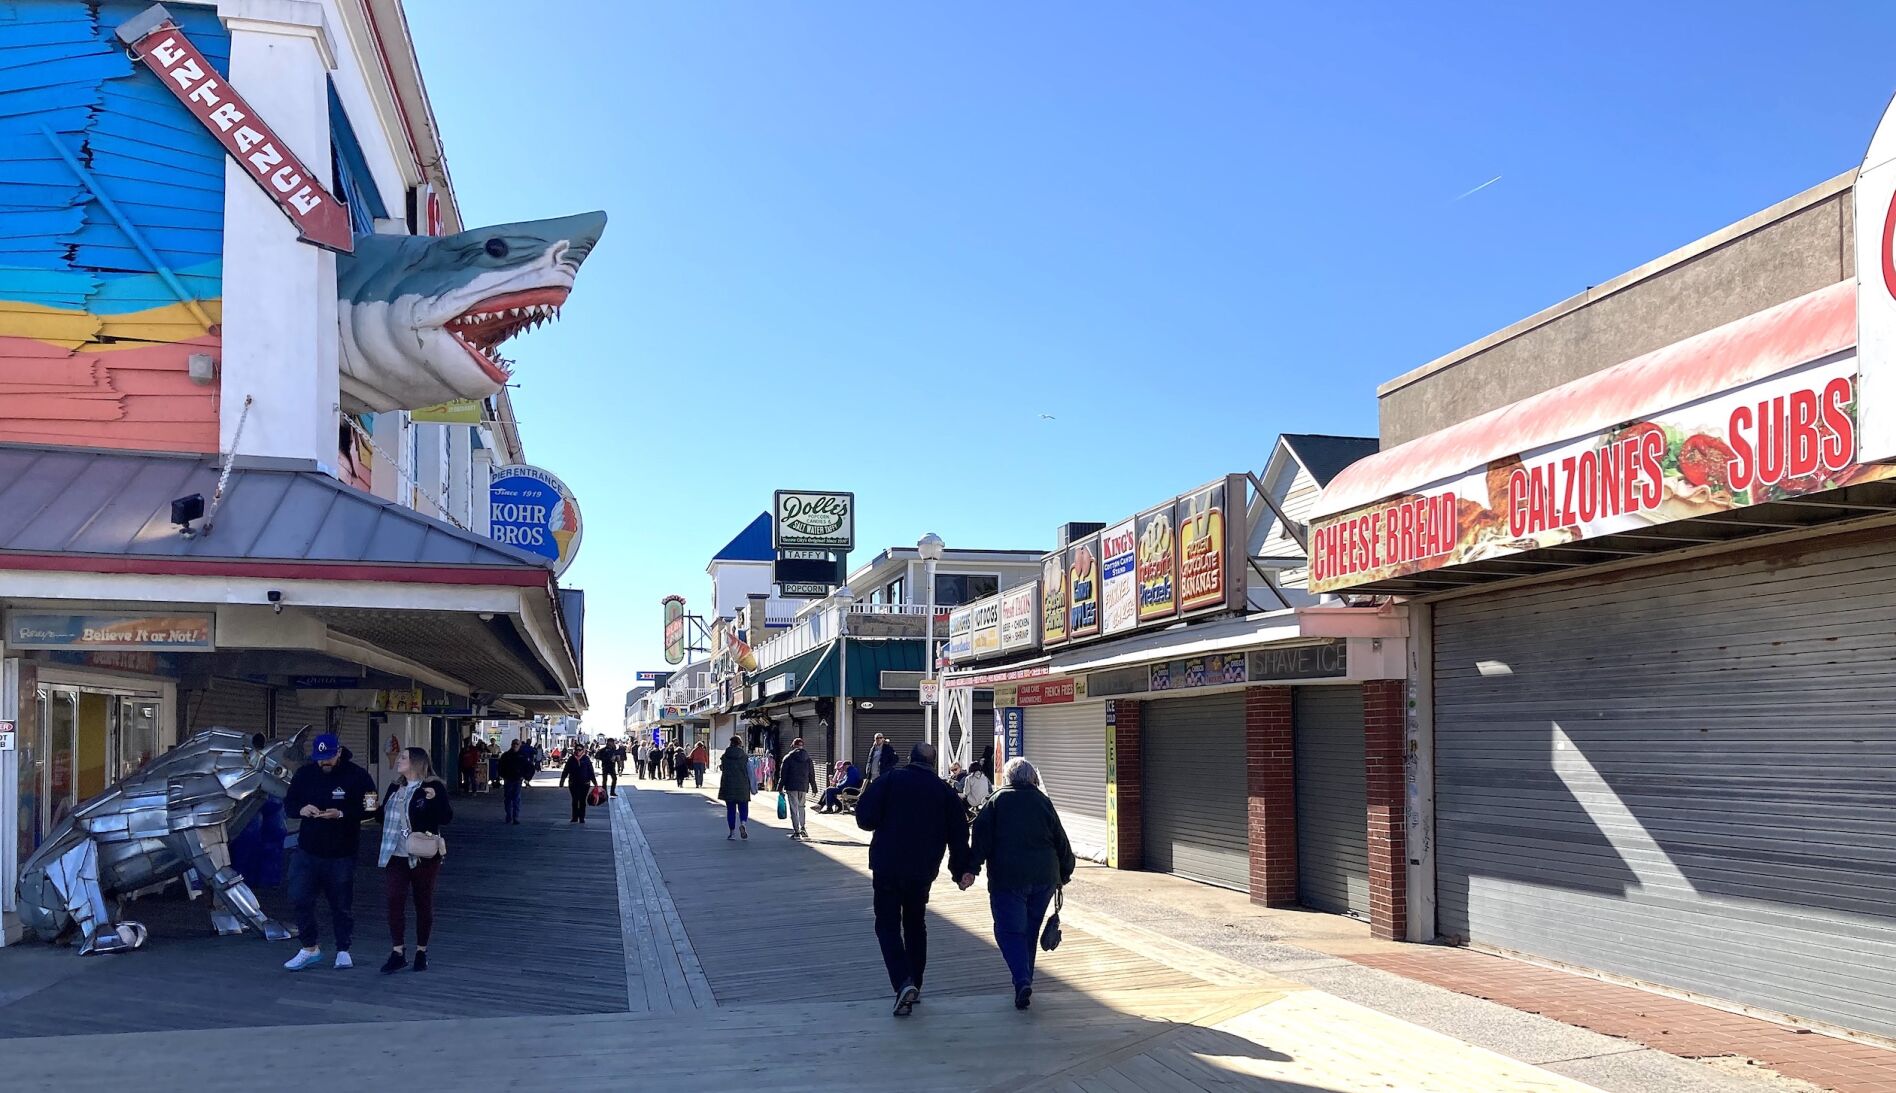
(223, 477)
(356, 427)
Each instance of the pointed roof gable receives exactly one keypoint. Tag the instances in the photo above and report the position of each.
(751, 545)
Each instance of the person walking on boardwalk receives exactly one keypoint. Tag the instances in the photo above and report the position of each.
(413, 811)
(331, 796)
(873, 768)
(700, 762)
(608, 763)
(915, 818)
(515, 772)
(578, 776)
(796, 779)
(681, 768)
(1020, 839)
(734, 789)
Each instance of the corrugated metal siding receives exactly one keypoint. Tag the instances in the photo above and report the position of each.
(1067, 744)
(1332, 800)
(904, 728)
(1686, 776)
(228, 704)
(1196, 796)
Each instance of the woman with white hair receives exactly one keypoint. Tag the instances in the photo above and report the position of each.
(1019, 837)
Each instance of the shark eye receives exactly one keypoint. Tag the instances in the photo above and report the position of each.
(496, 248)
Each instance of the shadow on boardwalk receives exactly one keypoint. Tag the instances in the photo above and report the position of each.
(509, 899)
(774, 920)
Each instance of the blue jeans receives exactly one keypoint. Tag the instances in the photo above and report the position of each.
(736, 812)
(510, 796)
(334, 880)
(1018, 915)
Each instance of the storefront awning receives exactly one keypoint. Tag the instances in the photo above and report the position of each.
(1746, 429)
(1198, 640)
(289, 559)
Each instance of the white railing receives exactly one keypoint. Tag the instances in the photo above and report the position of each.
(917, 609)
(814, 629)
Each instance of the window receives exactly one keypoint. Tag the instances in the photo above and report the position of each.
(895, 591)
(955, 589)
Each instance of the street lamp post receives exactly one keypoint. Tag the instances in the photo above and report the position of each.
(930, 548)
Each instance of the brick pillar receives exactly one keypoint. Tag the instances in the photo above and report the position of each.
(1383, 734)
(1129, 785)
(1271, 782)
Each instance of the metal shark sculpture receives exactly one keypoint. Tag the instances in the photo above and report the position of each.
(422, 316)
(174, 814)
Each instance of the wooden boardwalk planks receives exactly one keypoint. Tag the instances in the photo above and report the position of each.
(526, 924)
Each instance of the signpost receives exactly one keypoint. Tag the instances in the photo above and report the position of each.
(674, 629)
(813, 519)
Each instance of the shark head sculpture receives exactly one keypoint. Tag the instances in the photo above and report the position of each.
(423, 316)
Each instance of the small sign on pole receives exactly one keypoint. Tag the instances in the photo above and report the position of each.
(931, 692)
(8, 737)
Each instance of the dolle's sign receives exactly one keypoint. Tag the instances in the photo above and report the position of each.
(814, 519)
(297, 190)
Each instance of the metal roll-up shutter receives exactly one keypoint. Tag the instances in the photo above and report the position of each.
(293, 711)
(1067, 744)
(228, 704)
(904, 728)
(1196, 805)
(1685, 775)
(1332, 800)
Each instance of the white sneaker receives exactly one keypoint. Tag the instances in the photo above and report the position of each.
(343, 961)
(302, 959)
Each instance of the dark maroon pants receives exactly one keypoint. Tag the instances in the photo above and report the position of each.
(420, 879)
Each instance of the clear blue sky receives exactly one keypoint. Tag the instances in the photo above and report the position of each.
(867, 245)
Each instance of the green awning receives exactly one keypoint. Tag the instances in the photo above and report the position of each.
(868, 659)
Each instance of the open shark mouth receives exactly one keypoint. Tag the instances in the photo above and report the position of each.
(482, 328)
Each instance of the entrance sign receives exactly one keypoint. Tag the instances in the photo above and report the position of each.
(533, 510)
(297, 190)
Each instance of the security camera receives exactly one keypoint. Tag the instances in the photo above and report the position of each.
(276, 600)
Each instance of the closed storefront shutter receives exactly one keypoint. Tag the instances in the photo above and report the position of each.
(1196, 807)
(293, 711)
(1685, 775)
(1332, 800)
(1067, 744)
(228, 704)
(904, 728)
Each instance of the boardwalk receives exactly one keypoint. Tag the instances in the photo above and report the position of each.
(505, 893)
(704, 965)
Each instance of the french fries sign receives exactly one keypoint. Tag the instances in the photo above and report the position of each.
(1781, 437)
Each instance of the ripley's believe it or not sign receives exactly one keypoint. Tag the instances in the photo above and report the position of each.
(1781, 437)
(534, 511)
(674, 629)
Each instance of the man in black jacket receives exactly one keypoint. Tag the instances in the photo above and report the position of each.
(331, 796)
(608, 763)
(796, 777)
(916, 819)
(515, 772)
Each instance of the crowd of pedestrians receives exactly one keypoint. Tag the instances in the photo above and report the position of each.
(918, 820)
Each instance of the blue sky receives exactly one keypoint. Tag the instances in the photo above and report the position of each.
(866, 246)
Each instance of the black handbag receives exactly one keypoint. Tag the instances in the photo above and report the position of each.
(1050, 933)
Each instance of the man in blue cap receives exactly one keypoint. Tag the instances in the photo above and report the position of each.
(331, 796)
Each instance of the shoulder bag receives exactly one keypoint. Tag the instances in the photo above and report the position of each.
(425, 844)
(1050, 933)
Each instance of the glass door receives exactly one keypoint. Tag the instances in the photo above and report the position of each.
(59, 713)
(136, 739)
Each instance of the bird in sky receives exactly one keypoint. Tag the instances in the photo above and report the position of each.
(1047, 417)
